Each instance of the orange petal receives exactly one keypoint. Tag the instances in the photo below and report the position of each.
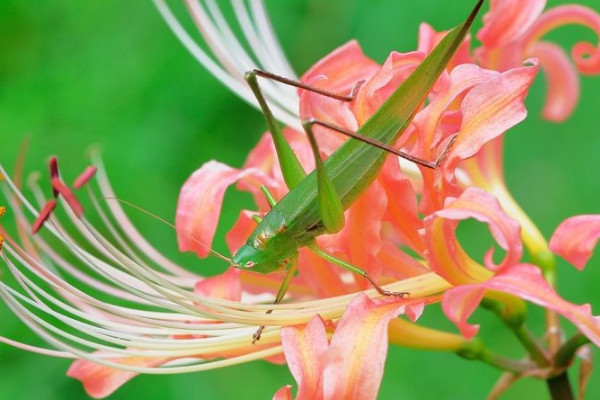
(226, 286)
(575, 239)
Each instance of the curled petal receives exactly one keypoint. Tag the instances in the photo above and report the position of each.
(358, 350)
(458, 305)
(526, 282)
(489, 110)
(199, 204)
(563, 83)
(576, 238)
(508, 20)
(585, 55)
(445, 254)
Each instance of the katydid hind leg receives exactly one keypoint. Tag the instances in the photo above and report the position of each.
(355, 270)
(292, 267)
(432, 164)
(330, 204)
(291, 168)
(327, 93)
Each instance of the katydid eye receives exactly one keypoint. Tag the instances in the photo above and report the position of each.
(250, 264)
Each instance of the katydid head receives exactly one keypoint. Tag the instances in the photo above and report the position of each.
(253, 259)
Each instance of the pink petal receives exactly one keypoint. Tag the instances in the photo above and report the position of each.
(526, 282)
(458, 305)
(489, 110)
(100, 381)
(376, 90)
(444, 253)
(241, 231)
(358, 349)
(575, 239)
(342, 68)
(199, 205)
(285, 393)
(226, 286)
(429, 38)
(563, 82)
(304, 348)
(508, 20)
(585, 55)
(338, 72)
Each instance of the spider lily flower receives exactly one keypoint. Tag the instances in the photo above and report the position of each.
(176, 321)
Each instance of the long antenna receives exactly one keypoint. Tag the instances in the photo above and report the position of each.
(164, 221)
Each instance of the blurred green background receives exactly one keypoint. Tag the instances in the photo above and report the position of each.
(110, 73)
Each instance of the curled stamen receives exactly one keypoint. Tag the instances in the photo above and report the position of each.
(44, 215)
(68, 195)
(53, 165)
(85, 177)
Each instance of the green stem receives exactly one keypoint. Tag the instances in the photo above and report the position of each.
(565, 354)
(513, 314)
(560, 387)
(534, 348)
(476, 350)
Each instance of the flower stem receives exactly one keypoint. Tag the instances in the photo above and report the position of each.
(560, 387)
(512, 311)
(565, 354)
(476, 350)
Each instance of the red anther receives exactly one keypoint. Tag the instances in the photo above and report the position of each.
(53, 164)
(44, 215)
(85, 177)
(68, 195)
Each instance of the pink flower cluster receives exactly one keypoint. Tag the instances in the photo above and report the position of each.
(404, 225)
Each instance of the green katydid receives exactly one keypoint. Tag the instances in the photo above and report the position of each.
(316, 202)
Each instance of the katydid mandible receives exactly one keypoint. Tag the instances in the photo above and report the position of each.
(316, 202)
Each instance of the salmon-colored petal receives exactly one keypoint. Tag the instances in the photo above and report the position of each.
(199, 204)
(285, 393)
(375, 91)
(363, 225)
(508, 20)
(226, 286)
(304, 348)
(444, 253)
(526, 282)
(342, 68)
(100, 381)
(489, 110)
(458, 305)
(562, 79)
(358, 350)
(429, 38)
(402, 208)
(575, 239)
(324, 278)
(585, 55)
(338, 72)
